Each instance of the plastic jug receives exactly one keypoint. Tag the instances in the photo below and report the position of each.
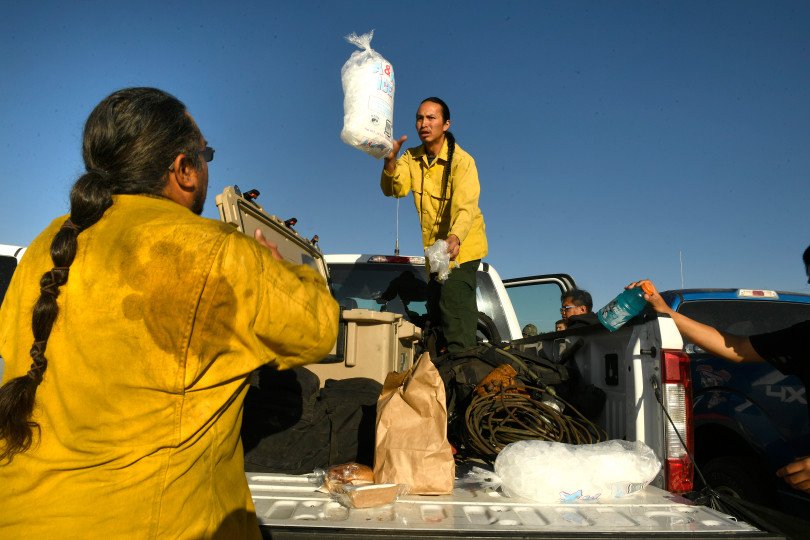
(624, 307)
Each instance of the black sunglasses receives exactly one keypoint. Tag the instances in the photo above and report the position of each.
(207, 154)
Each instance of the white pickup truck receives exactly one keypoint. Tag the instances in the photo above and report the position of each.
(628, 365)
(634, 366)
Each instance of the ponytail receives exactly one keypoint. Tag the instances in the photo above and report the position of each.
(451, 149)
(89, 199)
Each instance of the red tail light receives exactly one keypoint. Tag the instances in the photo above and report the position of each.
(678, 401)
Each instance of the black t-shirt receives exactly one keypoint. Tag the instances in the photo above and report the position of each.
(585, 319)
(787, 350)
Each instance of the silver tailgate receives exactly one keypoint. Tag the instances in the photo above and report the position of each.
(287, 502)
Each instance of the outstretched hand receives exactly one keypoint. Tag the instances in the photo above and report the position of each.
(654, 299)
(259, 236)
(391, 158)
(397, 146)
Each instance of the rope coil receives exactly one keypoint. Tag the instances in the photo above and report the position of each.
(517, 414)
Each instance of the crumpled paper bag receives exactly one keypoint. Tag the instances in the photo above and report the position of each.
(411, 439)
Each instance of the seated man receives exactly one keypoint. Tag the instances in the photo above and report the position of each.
(577, 308)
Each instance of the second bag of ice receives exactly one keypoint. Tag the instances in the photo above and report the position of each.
(368, 99)
(558, 472)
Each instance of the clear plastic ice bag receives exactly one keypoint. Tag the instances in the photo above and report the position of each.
(368, 99)
(439, 259)
(557, 472)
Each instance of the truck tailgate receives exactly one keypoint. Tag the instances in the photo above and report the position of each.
(291, 507)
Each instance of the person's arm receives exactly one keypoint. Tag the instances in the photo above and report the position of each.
(729, 346)
(257, 309)
(392, 180)
(463, 202)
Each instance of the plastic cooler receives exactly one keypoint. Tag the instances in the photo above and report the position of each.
(370, 344)
(247, 216)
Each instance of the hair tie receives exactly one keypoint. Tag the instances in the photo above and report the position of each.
(58, 276)
(68, 224)
(101, 173)
(40, 362)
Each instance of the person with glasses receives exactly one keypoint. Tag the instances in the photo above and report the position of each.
(577, 308)
(129, 332)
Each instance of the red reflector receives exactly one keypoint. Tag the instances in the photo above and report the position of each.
(679, 475)
(758, 293)
(676, 367)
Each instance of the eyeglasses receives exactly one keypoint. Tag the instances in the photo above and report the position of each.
(207, 154)
(566, 308)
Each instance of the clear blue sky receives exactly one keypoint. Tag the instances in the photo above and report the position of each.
(610, 137)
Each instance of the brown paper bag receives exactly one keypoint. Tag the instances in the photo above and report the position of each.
(412, 446)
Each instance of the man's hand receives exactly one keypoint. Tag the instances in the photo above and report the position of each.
(655, 300)
(453, 246)
(797, 474)
(269, 245)
(391, 158)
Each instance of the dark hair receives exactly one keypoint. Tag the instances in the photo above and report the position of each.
(806, 256)
(130, 140)
(440, 103)
(579, 297)
(451, 139)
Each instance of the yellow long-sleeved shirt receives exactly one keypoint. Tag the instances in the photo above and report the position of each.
(459, 210)
(164, 316)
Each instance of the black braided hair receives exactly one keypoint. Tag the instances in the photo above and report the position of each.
(130, 140)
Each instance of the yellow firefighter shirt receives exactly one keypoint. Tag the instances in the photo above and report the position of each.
(455, 213)
(164, 316)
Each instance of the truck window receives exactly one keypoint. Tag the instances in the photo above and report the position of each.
(402, 288)
(380, 287)
(746, 317)
(7, 266)
(537, 304)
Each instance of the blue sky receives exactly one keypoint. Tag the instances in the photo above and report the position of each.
(612, 138)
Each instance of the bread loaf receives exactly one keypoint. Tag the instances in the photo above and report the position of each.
(350, 473)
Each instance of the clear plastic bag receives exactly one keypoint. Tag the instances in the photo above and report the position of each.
(546, 471)
(439, 259)
(367, 496)
(352, 485)
(368, 99)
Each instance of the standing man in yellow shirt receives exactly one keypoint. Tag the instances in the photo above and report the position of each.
(444, 182)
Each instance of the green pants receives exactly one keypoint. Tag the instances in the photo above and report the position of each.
(452, 307)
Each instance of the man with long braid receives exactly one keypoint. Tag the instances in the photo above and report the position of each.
(146, 321)
(444, 182)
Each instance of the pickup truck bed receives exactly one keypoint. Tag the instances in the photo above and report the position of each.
(291, 506)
